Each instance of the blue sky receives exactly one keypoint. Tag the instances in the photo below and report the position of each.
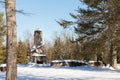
(44, 16)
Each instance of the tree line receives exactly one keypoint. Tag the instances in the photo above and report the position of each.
(98, 20)
(97, 28)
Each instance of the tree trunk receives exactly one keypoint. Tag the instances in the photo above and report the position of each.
(113, 61)
(11, 73)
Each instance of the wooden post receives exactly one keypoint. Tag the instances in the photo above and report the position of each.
(11, 73)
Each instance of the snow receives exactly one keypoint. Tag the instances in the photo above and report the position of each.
(37, 72)
(93, 61)
(68, 61)
(35, 54)
(3, 65)
(38, 30)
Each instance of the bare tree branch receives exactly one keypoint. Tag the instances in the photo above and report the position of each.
(22, 12)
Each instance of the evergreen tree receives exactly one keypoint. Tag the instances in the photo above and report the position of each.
(2, 34)
(22, 53)
(58, 48)
(28, 51)
(2, 54)
(100, 16)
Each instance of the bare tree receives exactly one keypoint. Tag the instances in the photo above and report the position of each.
(11, 73)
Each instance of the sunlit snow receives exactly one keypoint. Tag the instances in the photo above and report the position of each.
(37, 72)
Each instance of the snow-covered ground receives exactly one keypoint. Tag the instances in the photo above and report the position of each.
(36, 72)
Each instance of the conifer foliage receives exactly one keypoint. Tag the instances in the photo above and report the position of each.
(22, 53)
(98, 18)
(2, 34)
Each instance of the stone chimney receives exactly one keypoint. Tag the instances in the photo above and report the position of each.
(37, 38)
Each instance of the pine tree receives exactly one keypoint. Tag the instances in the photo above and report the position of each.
(2, 54)
(58, 46)
(100, 16)
(22, 53)
(2, 34)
